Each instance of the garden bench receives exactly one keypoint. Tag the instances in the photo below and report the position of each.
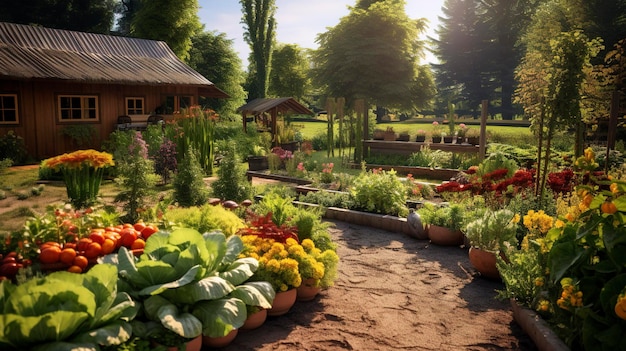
(137, 122)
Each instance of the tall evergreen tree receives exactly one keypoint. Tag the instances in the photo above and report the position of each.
(478, 50)
(258, 18)
(172, 21)
(213, 56)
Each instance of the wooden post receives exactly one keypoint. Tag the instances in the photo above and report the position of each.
(610, 142)
(360, 134)
(482, 146)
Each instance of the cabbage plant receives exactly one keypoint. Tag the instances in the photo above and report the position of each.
(65, 311)
(193, 283)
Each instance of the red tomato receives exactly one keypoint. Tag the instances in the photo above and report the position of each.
(108, 246)
(97, 237)
(128, 239)
(127, 225)
(81, 261)
(93, 251)
(50, 254)
(138, 244)
(139, 226)
(83, 244)
(67, 256)
(148, 231)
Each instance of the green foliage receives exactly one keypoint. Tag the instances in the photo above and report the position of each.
(192, 284)
(212, 54)
(117, 144)
(12, 147)
(448, 215)
(136, 178)
(493, 230)
(522, 273)
(4, 164)
(231, 183)
(81, 134)
(289, 73)
(260, 26)
(153, 136)
(198, 132)
(173, 22)
(497, 161)
(329, 199)
(91, 16)
(87, 311)
(392, 38)
(205, 219)
(380, 192)
(281, 208)
(189, 187)
(427, 157)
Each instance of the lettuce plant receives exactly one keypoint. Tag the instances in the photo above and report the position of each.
(193, 284)
(65, 311)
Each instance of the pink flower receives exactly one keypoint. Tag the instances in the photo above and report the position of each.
(301, 167)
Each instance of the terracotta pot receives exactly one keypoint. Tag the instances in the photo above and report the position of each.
(283, 302)
(220, 341)
(308, 290)
(484, 262)
(255, 320)
(444, 236)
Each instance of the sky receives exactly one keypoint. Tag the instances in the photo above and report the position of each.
(300, 21)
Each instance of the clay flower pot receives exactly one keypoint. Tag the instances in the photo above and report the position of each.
(308, 290)
(445, 236)
(255, 320)
(484, 262)
(283, 302)
(194, 344)
(220, 341)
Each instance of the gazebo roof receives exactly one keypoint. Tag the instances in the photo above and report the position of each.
(284, 104)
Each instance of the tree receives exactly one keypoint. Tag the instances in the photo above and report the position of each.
(213, 56)
(478, 50)
(551, 76)
(172, 21)
(126, 11)
(258, 18)
(289, 73)
(93, 16)
(373, 54)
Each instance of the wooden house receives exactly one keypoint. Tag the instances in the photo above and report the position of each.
(56, 84)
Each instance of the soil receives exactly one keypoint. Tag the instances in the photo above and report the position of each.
(394, 293)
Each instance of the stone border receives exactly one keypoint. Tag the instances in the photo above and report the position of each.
(544, 337)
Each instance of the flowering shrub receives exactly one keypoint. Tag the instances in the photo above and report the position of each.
(263, 227)
(82, 172)
(165, 161)
(579, 267)
(275, 265)
(327, 173)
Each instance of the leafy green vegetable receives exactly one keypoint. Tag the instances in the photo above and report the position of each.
(64, 311)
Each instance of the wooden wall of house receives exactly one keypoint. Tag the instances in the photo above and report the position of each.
(38, 120)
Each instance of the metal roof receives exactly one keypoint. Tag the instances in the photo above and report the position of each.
(29, 52)
(285, 104)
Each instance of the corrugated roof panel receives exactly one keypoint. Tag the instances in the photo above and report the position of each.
(261, 105)
(28, 52)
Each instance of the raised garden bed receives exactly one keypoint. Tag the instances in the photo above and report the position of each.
(278, 177)
(417, 172)
(545, 339)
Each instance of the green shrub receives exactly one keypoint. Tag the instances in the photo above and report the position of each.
(47, 173)
(13, 147)
(206, 219)
(380, 192)
(328, 199)
(189, 187)
(136, 178)
(231, 183)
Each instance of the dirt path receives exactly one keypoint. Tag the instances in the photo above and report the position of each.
(394, 293)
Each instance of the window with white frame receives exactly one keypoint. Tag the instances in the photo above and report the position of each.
(8, 109)
(78, 108)
(135, 106)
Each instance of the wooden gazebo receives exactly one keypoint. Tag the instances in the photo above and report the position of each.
(271, 108)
